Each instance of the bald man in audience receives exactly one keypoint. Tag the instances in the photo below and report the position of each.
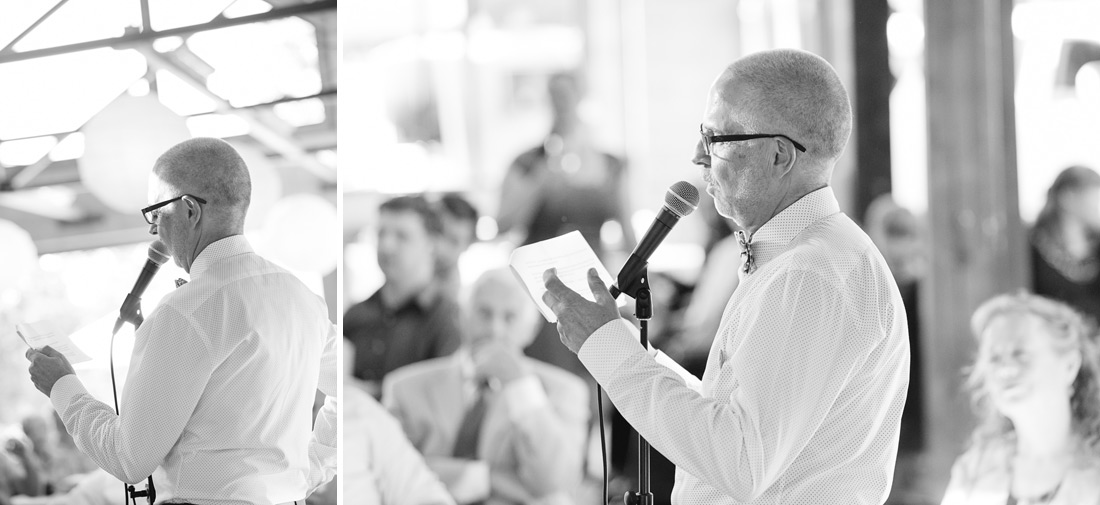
(804, 385)
(496, 426)
(225, 370)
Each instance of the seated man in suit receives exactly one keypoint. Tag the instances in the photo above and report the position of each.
(496, 426)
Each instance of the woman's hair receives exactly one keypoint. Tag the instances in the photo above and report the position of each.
(1071, 179)
(1069, 333)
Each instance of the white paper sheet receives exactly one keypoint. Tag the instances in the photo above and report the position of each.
(569, 254)
(40, 334)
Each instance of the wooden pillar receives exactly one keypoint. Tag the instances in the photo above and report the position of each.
(871, 102)
(978, 244)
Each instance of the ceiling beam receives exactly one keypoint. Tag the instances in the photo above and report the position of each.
(276, 138)
(151, 35)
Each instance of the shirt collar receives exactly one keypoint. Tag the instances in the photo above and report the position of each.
(774, 237)
(219, 250)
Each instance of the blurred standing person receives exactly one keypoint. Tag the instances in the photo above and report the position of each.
(459, 232)
(409, 318)
(495, 425)
(1064, 242)
(898, 236)
(226, 369)
(1035, 389)
(561, 185)
(565, 183)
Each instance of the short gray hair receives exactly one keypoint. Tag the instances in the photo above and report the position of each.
(208, 168)
(795, 93)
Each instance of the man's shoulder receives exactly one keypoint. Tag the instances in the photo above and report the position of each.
(555, 377)
(422, 374)
(835, 247)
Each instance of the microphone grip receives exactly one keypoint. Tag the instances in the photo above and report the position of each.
(130, 312)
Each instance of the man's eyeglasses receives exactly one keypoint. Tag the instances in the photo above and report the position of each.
(711, 139)
(147, 212)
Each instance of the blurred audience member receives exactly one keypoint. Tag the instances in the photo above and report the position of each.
(98, 488)
(459, 232)
(409, 318)
(20, 468)
(898, 236)
(380, 465)
(494, 425)
(565, 183)
(68, 465)
(1065, 262)
(1035, 389)
(717, 282)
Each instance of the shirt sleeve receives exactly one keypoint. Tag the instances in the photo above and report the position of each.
(401, 473)
(322, 445)
(169, 369)
(550, 433)
(789, 365)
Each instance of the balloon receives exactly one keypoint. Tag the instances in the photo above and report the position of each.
(122, 143)
(18, 255)
(302, 233)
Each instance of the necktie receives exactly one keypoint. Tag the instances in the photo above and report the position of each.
(469, 432)
(748, 264)
(180, 282)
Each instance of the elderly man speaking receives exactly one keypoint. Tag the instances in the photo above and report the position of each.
(224, 371)
(802, 395)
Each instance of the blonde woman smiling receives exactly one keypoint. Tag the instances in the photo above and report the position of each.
(1035, 390)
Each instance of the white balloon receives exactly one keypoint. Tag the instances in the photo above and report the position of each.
(121, 143)
(267, 185)
(301, 232)
(18, 255)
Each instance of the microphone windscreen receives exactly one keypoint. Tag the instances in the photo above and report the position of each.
(158, 253)
(682, 198)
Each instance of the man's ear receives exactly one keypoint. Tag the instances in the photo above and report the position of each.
(784, 156)
(194, 210)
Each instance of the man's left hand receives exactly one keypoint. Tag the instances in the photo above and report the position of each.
(578, 318)
(47, 366)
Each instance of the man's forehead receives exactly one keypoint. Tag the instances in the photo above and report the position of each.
(406, 219)
(156, 186)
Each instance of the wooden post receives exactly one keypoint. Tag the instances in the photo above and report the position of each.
(978, 243)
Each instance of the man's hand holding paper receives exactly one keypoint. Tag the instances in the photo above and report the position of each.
(570, 257)
(47, 366)
(577, 317)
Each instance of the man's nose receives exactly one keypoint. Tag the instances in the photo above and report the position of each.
(152, 229)
(498, 330)
(699, 157)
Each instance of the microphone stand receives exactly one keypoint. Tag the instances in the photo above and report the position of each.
(643, 309)
(130, 313)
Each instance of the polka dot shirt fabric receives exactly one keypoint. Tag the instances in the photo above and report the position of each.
(221, 387)
(805, 382)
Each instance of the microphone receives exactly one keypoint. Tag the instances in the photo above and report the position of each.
(130, 312)
(680, 200)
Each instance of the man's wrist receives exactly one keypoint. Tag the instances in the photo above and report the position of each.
(64, 390)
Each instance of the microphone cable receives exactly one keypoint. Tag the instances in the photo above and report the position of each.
(128, 491)
(603, 441)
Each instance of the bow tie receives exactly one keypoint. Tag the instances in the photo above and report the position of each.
(748, 263)
(180, 282)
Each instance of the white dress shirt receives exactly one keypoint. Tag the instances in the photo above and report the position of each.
(380, 464)
(802, 395)
(221, 388)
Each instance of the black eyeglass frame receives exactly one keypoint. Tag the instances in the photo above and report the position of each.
(711, 139)
(145, 212)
